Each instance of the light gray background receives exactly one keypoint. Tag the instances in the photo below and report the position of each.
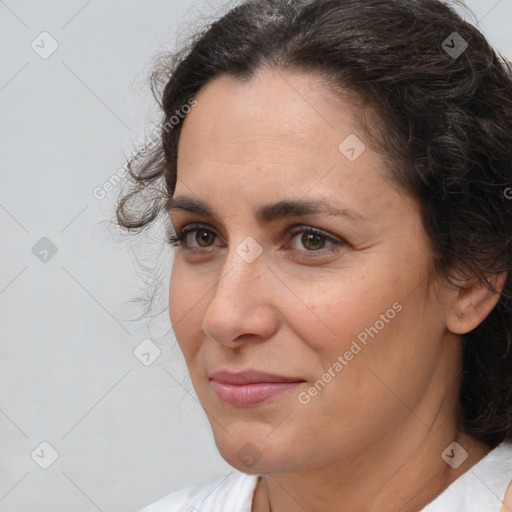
(125, 433)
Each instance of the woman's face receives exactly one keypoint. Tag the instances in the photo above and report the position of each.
(305, 262)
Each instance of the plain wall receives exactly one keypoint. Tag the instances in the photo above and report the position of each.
(125, 433)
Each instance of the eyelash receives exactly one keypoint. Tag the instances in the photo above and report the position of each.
(179, 240)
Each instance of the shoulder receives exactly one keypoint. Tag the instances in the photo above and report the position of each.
(482, 488)
(231, 493)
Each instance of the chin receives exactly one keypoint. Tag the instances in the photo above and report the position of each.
(257, 454)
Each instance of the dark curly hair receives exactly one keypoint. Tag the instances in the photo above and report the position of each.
(443, 98)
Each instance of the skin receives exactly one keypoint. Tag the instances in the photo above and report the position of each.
(372, 438)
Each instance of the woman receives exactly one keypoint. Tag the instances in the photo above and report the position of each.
(337, 176)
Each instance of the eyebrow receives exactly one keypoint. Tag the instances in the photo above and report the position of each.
(268, 213)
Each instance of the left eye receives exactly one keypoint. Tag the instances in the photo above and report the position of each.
(312, 240)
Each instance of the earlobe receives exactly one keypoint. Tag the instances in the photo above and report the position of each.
(474, 302)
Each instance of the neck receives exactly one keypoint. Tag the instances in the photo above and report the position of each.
(393, 474)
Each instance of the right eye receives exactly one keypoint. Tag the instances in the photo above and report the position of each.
(194, 237)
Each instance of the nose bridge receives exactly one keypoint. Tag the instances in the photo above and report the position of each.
(240, 303)
(243, 271)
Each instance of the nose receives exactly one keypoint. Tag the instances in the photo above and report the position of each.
(242, 306)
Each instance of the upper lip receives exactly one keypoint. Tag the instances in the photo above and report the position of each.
(251, 377)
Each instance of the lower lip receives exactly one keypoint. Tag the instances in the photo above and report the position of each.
(250, 394)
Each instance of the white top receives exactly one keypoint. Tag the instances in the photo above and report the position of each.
(480, 489)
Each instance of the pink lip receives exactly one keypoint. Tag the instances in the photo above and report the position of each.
(249, 388)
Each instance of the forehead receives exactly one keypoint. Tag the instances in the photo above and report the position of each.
(276, 118)
(278, 134)
(286, 104)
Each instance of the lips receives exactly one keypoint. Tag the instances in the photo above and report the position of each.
(250, 388)
(251, 377)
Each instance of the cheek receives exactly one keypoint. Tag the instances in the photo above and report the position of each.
(176, 289)
(338, 310)
(387, 340)
(378, 318)
(185, 308)
(361, 334)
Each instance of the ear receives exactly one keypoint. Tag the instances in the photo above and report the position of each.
(473, 302)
